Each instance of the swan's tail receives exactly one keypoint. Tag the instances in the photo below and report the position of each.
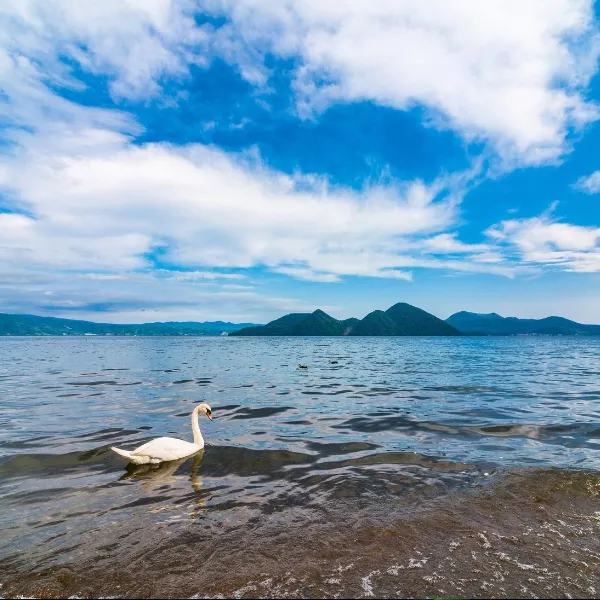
(124, 453)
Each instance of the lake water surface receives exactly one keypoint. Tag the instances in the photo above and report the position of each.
(413, 466)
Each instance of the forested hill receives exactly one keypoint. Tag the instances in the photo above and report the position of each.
(399, 320)
(494, 324)
(34, 325)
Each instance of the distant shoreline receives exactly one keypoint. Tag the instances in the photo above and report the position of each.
(400, 320)
(215, 335)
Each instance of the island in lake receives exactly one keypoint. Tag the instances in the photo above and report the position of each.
(399, 320)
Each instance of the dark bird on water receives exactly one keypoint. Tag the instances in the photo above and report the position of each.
(303, 366)
(333, 362)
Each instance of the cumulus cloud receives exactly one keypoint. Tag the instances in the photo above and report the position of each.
(110, 207)
(589, 184)
(548, 243)
(510, 72)
(446, 243)
(134, 43)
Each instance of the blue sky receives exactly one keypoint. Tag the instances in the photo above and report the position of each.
(182, 160)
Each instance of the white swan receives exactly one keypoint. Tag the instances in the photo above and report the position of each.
(165, 448)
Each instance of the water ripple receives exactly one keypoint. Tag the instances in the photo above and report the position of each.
(394, 415)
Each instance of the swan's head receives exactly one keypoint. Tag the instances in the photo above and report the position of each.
(206, 409)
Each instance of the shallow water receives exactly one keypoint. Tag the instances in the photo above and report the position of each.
(399, 436)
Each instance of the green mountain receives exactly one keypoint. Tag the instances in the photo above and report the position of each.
(400, 319)
(349, 325)
(494, 324)
(411, 320)
(375, 323)
(34, 325)
(318, 323)
(281, 326)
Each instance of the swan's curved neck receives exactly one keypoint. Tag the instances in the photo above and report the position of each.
(198, 439)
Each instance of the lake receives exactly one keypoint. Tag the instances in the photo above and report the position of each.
(411, 466)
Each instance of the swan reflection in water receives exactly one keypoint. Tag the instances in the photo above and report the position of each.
(156, 475)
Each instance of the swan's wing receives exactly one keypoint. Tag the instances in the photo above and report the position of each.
(166, 448)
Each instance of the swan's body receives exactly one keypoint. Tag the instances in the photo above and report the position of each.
(164, 449)
(160, 450)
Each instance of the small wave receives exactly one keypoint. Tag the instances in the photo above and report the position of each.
(259, 413)
(91, 383)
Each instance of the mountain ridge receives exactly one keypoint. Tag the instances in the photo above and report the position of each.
(401, 319)
(34, 325)
(470, 323)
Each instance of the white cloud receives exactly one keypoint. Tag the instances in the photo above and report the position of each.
(308, 274)
(589, 184)
(446, 243)
(107, 207)
(197, 275)
(135, 43)
(510, 72)
(550, 244)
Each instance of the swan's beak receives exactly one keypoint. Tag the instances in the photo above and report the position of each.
(209, 415)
